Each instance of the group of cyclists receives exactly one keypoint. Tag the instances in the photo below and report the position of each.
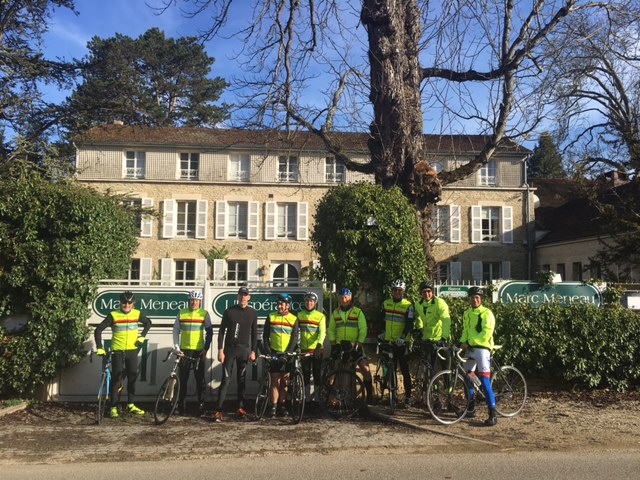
(427, 320)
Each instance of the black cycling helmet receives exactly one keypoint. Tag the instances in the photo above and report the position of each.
(426, 285)
(127, 297)
(475, 291)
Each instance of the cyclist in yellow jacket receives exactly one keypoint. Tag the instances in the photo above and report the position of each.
(478, 325)
(189, 338)
(398, 320)
(126, 338)
(281, 334)
(313, 330)
(348, 323)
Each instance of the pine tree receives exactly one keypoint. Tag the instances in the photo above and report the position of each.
(546, 161)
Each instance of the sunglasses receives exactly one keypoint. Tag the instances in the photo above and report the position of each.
(128, 303)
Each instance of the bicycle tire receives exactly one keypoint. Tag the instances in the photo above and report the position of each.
(447, 397)
(379, 382)
(510, 389)
(393, 388)
(297, 397)
(345, 394)
(166, 400)
(103, 396)
(263, 396)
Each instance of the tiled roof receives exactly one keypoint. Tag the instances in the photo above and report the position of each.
(114, 134)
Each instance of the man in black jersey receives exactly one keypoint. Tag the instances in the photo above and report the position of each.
(237, 342)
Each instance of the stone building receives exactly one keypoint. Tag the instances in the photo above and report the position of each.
(254, 194)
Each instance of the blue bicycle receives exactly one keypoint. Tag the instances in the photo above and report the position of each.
(105, 386)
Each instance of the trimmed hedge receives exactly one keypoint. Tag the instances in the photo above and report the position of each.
(583, 345)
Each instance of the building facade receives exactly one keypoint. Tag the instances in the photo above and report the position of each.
(252, 195)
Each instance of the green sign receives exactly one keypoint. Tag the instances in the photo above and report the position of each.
(564, 293)
(155, 305)
(263, 302)
(457, 291)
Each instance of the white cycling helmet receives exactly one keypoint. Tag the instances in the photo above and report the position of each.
(195, 295)
(399, 284)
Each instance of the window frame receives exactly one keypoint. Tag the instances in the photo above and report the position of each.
(189, 173)
(288, 169)
(138, 167)
(332, 173)
(236, 173)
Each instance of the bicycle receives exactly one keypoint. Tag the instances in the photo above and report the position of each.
(168, 395)
(105, 385)
(295, 386)
(448, 393)
(426, 367)
(386, 377)
(343, 391)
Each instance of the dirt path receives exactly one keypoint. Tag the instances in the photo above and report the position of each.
(551, 421)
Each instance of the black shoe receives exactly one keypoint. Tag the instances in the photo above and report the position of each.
(493, 418)
(273, 411)
(182, 409)
(282, 410)
(407, 402)
(201, 409)
(470, 414)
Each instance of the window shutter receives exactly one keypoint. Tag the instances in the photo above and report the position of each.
(146, 225)
(476, 271)
(221, 220)
(169, 219)
(476, 224)
(146, 270)
(219, 270)
(254, 221)
(201, 270)
(454, 223)
(507, 224)
(303, 221)
(167, 267)
(505, 274)
(456, 271)
(252, 270)
(270, 220)
(202, 211)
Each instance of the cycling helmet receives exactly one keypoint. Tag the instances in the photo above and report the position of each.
(127, 297)
(284, 297)
(344, 291)
(399, 284)
(311, 296)
(426, 285)
(475, 291)
(195, 295)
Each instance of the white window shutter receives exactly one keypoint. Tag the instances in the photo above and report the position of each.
(303, 221)
(507, 224)
(202, 211)
(146, 270)
(505, 274)
(201, 270)
(254, 221)
(252, 270)
(167, 267)
(219, 270)
(454, 223)
(476, 271)
(221, 220)
(476, 224)
(270, 220)
(146, 225)
(169, 219)
(456, 271)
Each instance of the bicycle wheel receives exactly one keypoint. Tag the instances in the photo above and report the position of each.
(296, 396)
(103, 396)
(345, 394)
(420, 385)
(510, 389)
(392, 379)
(264, 392)
(447, 397)
(166, 400)
(379, 382)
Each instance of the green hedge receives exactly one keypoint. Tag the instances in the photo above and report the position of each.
(583, 345)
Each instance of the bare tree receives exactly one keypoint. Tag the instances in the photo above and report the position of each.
(462, 64)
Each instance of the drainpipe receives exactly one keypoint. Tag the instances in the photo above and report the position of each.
(527, 216)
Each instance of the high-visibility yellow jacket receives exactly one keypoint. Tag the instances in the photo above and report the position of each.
(398, 318)
(312, 329)
(480, 317)
(281, 331)
(125, 330)
(192, 329)
(349, 324)
(433, 319)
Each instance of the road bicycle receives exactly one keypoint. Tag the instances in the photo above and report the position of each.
(168, 395)
(429, 363)
(343, 393)
(386, 377)
(104, 389)
(448, 391)
(295, 385)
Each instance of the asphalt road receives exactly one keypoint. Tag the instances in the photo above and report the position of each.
(518, 466)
